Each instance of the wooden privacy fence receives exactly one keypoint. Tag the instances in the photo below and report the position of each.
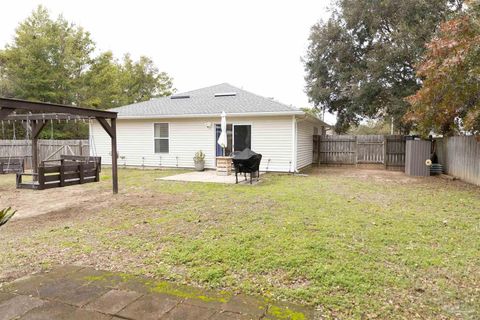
(47, 149)
(361, 149)
(460, 157)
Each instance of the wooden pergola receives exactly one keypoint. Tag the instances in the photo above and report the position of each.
(38, 113)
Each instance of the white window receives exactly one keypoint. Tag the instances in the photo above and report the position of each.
(161, 138)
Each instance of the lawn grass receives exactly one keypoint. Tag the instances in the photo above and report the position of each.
(353, 247)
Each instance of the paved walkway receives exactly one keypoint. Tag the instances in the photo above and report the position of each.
(210, 176)
(72, 292)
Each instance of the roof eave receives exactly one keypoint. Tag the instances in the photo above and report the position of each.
(310, 118)
(242, 114)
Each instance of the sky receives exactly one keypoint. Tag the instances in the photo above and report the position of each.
(255, 45)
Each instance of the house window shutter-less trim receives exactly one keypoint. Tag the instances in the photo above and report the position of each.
(161, 137)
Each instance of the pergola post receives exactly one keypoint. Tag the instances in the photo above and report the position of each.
(111, 129)
(114, 156)
(34, 156)
(36, 129)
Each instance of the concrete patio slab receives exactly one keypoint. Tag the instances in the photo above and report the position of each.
(86, 293)
(209, 176)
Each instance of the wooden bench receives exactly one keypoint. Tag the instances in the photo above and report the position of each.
(12, 164)
(68, 173)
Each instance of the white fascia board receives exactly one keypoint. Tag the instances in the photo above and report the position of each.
(313, 119)
(243, 114)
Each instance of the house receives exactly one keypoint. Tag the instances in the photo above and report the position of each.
(167, 131)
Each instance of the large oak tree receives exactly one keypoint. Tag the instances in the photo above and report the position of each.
(360, 63)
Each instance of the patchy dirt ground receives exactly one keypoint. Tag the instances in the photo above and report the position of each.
(369, 174)
(85, 198)
(388, 176)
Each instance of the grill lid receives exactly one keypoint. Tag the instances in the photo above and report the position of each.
(244, 155)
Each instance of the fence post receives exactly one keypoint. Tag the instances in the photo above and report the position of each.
(355, 150)
(385, 155)
(81, 147)
(315, 148)
(319, 149)
(319, 141)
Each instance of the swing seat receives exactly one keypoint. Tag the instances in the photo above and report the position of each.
(69, 172)
(12, 165)
(85, 159)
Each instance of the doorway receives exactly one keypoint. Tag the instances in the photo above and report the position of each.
(239, 137)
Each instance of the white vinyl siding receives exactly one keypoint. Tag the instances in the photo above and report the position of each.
(305, 131)
(271, 136)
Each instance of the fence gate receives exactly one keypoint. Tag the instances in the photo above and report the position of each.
(361, 149)
(371, 149)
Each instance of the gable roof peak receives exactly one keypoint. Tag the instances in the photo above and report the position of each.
(210, 100)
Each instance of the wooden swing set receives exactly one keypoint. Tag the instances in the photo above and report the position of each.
(68, 170)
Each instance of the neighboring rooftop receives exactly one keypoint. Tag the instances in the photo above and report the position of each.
(206, 101)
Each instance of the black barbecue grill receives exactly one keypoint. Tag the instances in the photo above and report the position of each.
(246, 161)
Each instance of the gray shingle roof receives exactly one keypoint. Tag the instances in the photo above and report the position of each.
(204, 102)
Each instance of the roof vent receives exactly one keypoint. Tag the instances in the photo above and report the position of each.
(180, 97)
(226, 94)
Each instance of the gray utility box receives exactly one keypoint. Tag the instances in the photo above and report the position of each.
(416, 153)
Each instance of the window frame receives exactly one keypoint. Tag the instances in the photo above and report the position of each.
(155, 138)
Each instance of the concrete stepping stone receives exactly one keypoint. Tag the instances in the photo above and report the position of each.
(188, 312)
(17, 306)
(225, 315)
(149, 307)
(60, 311)
(5, 296)
(113, 301)
(80, 296)
(246, 305)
